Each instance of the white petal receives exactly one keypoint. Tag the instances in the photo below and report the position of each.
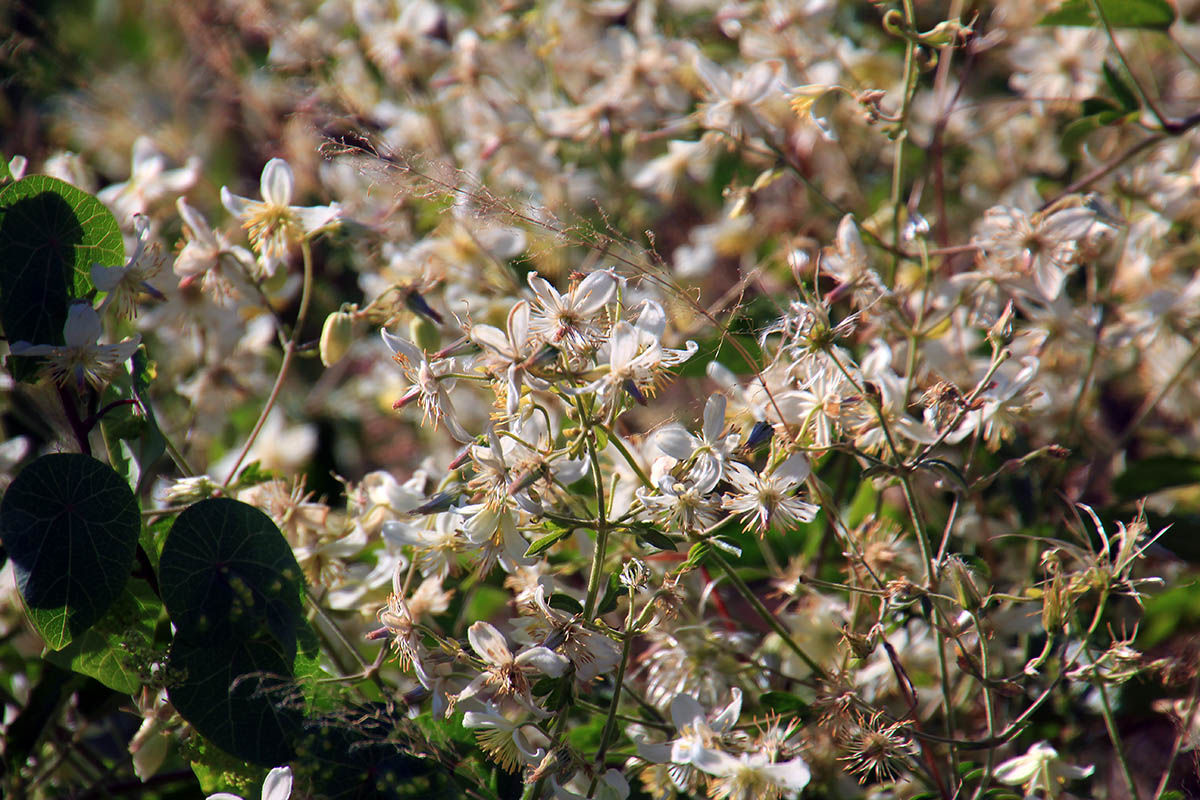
(316, 218)
(714, 762)
(729, 715)
(675, 442)
(402, 347)
(106, 278)
(83, 325)
(489, 643)
(685, 710)
(794, 468)
(792, 775)
(714, 417)
(277, 182)
(594, 293)
(653, 318)
(492, 339)
(544, 660)
(240, 207)
(278, 784)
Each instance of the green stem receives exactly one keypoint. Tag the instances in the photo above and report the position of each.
(765, 613)
(289, 352)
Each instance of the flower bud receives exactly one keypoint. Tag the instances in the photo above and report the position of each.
(337, 335)
(424, 334)
(965, 590)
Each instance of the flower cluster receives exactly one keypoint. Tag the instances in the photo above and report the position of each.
(713, 398)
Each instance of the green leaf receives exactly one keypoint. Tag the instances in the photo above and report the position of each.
(543, 543)
(1147, 14)
(1125, 94)
(1150, 475)
(656, 539)
(50, 235)
(1077, 131)
(612, 593)
(227, 573)
(70, 525)
(782, 703)
(239, 694)
(565, 603)
(696, 555)
(119, 647)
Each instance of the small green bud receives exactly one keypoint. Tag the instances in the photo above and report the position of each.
(336, 337)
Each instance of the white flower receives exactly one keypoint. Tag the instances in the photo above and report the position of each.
(273, 224)
(512, 744)
(683, 502)
(592, 653)
(506, 352)
(565, 320)
(80, 356)
(124, 284)
(751, 776)
(636, 363)
(735, 105)
(205, 252)
(429, 384)
(276, 786)
(149, 181)
(710, 450)
(766, 499)
(505, 673)
(1040, 771)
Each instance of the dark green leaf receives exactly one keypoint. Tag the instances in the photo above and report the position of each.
(227, 572)
(239, 694)
(70, 524)
(565, 603)
(1125, 94)
(50, 235)
(1148, 14)
(655, 539)
(117, 650)
(783, 703)
(1150, 475)
(612, 593)
(544, 543)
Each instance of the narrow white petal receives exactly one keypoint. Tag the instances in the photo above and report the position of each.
(594, 293)
(714, 417)
(544, 660)
(277, 182)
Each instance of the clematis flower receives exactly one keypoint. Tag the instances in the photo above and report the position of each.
(514, 744)
(751, 776)
(149, 181)
(80, 356)
(430, 386)
(273, 224)
(763, 499)
(1040, 771)
(124, 284)
(504, 673)
(206, 253)
(710, 450)
(565, 320)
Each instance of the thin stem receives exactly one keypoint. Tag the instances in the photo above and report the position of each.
(1111, 726)
(765, 613)
(289, 352)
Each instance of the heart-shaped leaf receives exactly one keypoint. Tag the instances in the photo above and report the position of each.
(239, 694)
(227, 573)
(50, 235)
(70, 525)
